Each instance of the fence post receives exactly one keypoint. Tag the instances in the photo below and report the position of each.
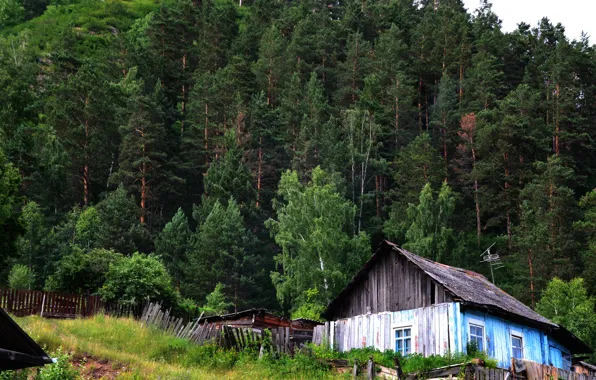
(43, 302)
(370, 369)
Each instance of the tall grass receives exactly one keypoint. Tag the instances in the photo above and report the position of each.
(149, 353)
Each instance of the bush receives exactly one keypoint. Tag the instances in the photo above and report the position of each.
(21, 277)
(80, 272)
(137, 279)
(61, 370)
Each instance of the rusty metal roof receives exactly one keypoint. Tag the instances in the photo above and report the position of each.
(17, 349)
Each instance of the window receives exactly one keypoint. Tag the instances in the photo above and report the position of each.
(567, 365)
(403, 340)
(477, 335)
(517, 344)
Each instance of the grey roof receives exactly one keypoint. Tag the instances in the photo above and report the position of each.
(472, 287)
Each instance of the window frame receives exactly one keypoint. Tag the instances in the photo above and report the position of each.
(481, 324)
(517, 334)
(403, 326)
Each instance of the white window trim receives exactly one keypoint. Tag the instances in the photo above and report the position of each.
(478, 322)
(405, 325)
(517, 334)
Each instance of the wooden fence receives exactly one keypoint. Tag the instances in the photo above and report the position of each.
(56, 305)
(238, 338)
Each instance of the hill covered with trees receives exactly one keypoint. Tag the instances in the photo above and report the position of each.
(269, 146)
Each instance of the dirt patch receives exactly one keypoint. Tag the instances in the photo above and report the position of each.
(94, 368)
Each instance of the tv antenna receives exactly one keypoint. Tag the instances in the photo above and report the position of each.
(493, 260)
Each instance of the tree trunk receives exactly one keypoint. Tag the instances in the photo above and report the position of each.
(507, 186)
(206, 134)
(420, 103)
(183, 105)
(557, 148)
(531, 266)
(260, 171)
(86, 158)
(396, 111)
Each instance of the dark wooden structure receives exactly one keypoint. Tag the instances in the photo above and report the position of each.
(238, 330)
(17, 349)
(58, 305)
(387, 282)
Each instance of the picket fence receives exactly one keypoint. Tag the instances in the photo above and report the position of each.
(59, 305)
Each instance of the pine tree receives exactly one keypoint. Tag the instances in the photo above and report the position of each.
(221, 253)
(172, 244)
(144, 166)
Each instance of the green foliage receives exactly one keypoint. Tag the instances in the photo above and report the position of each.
(173, 243)
(195, 103)
(61, 370)
(10, 218)
(221, 252)
(21, 277)
(568, 304)
(82, 271)
(143, 352)
(138, 279)
(429, 233)
(310, 309)
(311, 227)
(216, 301)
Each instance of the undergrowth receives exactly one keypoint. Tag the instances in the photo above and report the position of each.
(148, 353)
(412, 363)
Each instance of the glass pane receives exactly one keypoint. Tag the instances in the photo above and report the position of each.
(408, 345)
(398, 333)
(516, 342)
(479, 343)
(406, 332)
(399, 345)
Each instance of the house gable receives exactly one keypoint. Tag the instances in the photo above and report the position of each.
(390, 282)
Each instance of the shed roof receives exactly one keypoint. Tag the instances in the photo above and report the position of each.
(17, 349)
(237, 315)
(471, 289)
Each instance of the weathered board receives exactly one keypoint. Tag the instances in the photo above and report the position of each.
(392, 283)
(431, 330)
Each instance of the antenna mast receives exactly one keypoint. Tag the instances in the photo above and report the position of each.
(493, 260)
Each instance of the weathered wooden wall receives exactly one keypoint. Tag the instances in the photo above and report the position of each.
(538, 346)
(432, 332)
(392, 283)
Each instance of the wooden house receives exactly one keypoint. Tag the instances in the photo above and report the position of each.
(17, 349)
(410, 304)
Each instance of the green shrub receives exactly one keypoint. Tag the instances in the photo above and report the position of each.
(137, 279)
(61, 370)
(21, 277)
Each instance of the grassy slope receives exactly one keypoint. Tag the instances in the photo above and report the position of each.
(148, 353)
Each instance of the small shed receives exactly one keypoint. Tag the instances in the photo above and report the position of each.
(301, 329)
(17, 349)
(584, 368)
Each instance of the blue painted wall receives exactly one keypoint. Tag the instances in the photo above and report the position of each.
(537, 346)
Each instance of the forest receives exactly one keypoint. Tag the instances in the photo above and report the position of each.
(228, 155)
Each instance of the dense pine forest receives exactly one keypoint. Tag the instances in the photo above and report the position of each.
(253, 154)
